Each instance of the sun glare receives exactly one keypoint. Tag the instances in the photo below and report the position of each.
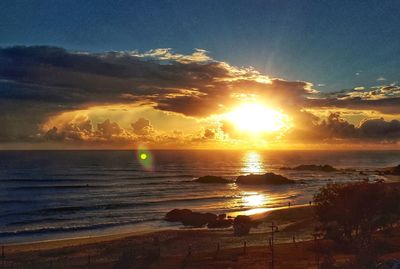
(256, 118)
(254, 200)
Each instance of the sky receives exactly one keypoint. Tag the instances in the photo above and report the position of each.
(171, 74)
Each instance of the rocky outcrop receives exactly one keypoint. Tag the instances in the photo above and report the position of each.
(242, 225)
(220, 222)
(312, 167)
(189, 218)
(176, 215)
(212, 179)
(265, 179)
(394, 171)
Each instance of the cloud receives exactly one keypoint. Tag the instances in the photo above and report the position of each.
(166, 54)
(51, 80)
(78, 129)
(209, 134)
(380, 129)
(81, 130)
(336, 128)
(384, 99)
(142, 127)
(108, 129)
(38, 83)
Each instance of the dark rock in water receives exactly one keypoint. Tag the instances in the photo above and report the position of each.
(394, 170)
(190, 218)
(197, 219)
(212, 179)
(242, 225)
(177, 214)
(268, 178)
(313, 167)
(220, 223)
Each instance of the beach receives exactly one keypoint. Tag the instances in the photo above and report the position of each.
(191, 248)
(106, 251)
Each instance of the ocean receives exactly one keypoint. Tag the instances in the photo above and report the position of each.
(46, 195)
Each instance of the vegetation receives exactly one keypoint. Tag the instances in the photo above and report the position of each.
(352, 213)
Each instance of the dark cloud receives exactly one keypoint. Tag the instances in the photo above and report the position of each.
(49, 80)
(108, 129)
(39, 82)
(142, 127)
(81, 130)
(209, 133)
(336, 128)
(385, 99)
(380, 129)
(78, 130)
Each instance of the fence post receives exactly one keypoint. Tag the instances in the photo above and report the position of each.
(274, 228)
(244, 247)
(3, 256)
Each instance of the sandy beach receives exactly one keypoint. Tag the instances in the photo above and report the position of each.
(185, 248)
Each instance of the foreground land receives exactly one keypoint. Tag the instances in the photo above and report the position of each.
(192, 248)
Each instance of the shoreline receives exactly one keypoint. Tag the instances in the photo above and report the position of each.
(193, 248)
(99, 238)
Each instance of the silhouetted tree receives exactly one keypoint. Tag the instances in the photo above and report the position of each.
(351, 213)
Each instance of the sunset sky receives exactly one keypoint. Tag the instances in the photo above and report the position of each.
(199, 74)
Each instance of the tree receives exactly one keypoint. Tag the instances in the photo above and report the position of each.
(351, 213)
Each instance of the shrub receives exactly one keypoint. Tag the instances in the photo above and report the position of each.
(354, 211)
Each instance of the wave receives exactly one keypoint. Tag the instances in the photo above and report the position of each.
(112, 206)
(49, 180)
(45, 187)
(166, 176)
(77, 179)
(36, 221)
(27, 232)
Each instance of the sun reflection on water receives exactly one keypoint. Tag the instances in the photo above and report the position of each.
(253, 200)
(252, 163)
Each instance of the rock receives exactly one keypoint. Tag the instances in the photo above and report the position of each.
(395, 170)
(221, 216)
(220, 223)
(177, 215)
(268, 178)
(313, 167)
(242, 225)
(197, 219)
(212, 179)
(190, 218)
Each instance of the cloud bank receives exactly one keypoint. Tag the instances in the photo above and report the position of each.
(40, 82)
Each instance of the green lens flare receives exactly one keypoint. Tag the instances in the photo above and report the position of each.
(145, 158)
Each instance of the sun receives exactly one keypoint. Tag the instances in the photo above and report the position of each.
(257, 118)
